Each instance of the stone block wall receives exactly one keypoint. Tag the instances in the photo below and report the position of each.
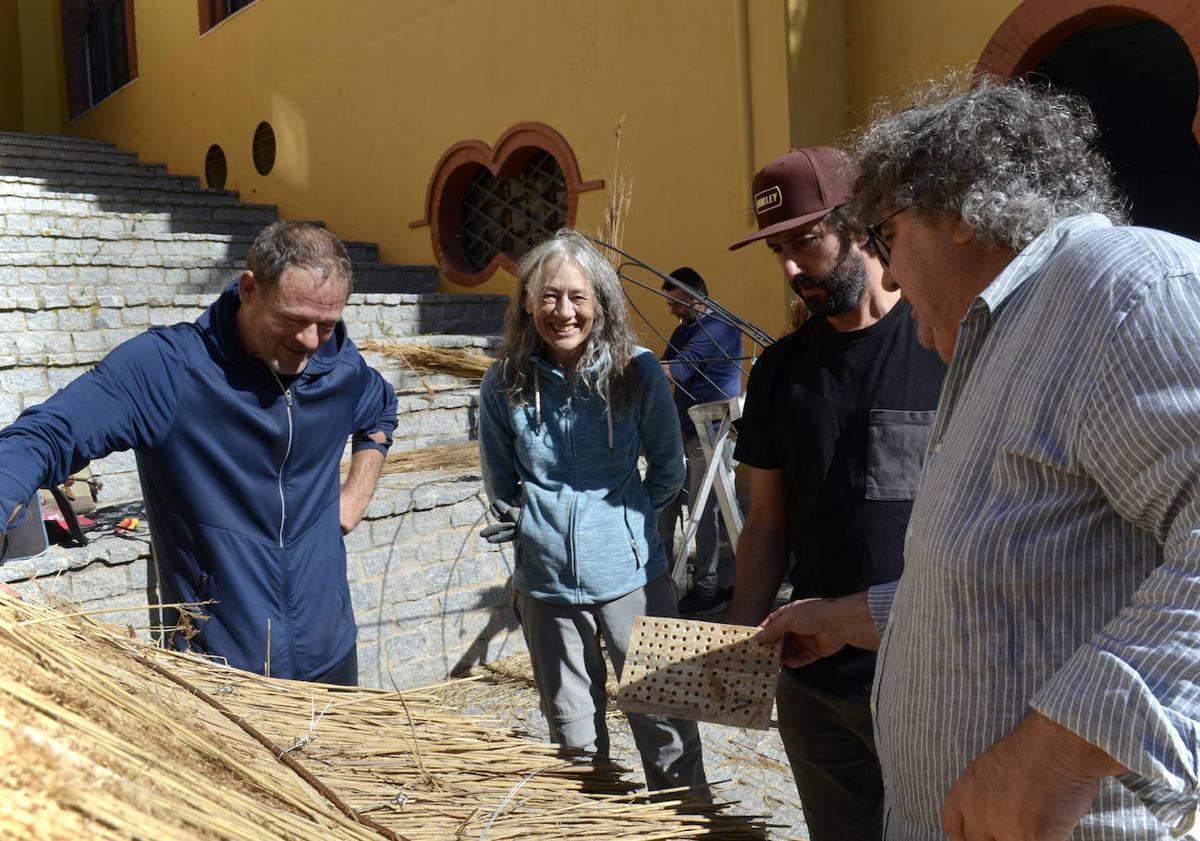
(430, 597)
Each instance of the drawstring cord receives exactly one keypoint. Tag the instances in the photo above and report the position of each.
(537, 402)
(608, 417)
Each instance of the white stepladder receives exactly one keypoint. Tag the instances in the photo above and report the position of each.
(714, 445)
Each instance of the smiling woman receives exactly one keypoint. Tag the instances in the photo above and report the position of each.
(565, 415)
(562, 311)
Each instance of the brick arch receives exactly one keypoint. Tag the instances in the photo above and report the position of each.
(1036, 27)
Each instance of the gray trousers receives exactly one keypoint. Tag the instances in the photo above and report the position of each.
(830, 743)
(704, 571)
(569, 670)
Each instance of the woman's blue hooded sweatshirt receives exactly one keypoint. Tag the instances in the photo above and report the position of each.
(587, 531)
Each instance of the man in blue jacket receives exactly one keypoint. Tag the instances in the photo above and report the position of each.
(239, 421)
(701, 359)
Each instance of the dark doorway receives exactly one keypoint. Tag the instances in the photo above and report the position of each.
(1141, 81)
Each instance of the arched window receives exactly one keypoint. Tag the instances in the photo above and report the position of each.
(486, 206)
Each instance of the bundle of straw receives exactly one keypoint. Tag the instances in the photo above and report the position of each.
(466, 362)
(460, 458)
(104, 737)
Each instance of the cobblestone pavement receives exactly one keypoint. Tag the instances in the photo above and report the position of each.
(749, 767)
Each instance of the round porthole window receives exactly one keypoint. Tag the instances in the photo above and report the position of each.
(264, 148)
(215, 169)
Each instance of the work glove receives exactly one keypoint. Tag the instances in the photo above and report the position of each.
(504, 529)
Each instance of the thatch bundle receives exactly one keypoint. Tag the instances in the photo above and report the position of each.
(466, 362)
(105, 737)
(463, 457)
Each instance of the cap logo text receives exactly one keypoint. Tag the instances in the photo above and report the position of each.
(767, 200)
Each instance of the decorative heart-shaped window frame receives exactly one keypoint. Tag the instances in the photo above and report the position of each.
(507, 159)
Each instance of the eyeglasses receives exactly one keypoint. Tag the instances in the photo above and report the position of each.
(875, 237)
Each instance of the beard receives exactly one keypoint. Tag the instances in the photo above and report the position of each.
(843, 286)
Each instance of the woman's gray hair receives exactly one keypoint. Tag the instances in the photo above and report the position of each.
(1007, 157)
(604, 364)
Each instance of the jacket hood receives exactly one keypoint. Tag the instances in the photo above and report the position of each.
(219, 325)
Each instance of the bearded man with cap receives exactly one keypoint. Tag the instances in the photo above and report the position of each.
(834, 429)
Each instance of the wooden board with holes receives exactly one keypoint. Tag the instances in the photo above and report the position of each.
(703, 671)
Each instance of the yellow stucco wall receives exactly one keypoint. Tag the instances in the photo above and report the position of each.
(10, 67)
(364, 98)
(843, 55)
(817, 77)
(895, 44)
(43, 91)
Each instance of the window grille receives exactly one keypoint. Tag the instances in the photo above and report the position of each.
(510, 216)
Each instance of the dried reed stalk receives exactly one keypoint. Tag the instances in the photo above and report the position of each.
(617, 202)
(93, 743)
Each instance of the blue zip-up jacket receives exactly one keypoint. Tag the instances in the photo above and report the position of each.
(587, 532)
(240, 476)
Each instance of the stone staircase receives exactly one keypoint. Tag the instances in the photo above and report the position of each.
(96, 246)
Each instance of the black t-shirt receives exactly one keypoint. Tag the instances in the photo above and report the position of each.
(846, 416)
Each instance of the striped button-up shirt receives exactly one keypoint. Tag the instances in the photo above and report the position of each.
(1053, 557)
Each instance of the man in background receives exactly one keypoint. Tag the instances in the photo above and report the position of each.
(701, 360)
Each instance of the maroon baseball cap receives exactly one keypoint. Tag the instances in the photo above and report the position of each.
(796, 188)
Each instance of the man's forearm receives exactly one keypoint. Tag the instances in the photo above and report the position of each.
(359, 487)
(760, 567)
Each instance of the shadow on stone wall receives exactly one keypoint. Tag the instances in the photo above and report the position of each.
(501, 620)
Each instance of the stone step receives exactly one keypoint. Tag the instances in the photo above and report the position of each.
(74, 317)
(101, 246)
(150, 205)
(182, 191)
(391, 278)
(16, 154)
(19, 161)
(444, 417)
(41, 217)
(385, 317)
(85, 174)
(52, 141)
(190, 276)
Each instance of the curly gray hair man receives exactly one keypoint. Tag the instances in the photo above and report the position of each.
(1036, 667)
(1008, 159)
